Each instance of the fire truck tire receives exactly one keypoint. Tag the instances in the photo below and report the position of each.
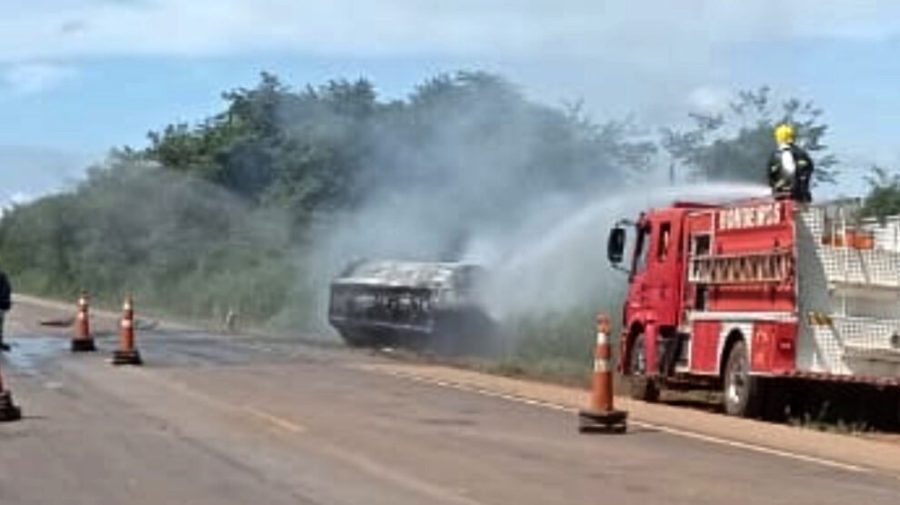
(641, 387)
(742, 391)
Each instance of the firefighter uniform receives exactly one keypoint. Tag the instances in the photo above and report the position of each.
(790, 167)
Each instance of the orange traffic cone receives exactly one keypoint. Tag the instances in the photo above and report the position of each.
(8, 410)
(127, 354)
(83, 341)
(602, 416)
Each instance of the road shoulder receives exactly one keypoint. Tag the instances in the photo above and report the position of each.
(836, 450)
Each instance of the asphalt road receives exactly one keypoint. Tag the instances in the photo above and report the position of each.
(235, 420)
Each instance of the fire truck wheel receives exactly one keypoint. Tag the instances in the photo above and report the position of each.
(742, 391)
(642, 387)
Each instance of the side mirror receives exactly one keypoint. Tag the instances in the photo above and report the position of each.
(615, 247)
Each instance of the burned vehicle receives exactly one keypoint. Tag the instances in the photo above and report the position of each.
(410, 304)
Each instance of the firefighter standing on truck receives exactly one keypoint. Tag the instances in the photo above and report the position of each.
(790, 167)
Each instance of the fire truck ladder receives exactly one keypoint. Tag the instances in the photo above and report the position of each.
(752, 268)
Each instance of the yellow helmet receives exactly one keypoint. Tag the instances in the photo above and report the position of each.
(784, 133)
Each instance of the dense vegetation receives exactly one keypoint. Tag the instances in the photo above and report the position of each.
(237, 211)
(884, 194)
(254, 208)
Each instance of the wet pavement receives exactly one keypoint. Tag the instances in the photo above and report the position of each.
(216, 419)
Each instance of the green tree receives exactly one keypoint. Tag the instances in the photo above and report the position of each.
(736, 144)
(884, 194)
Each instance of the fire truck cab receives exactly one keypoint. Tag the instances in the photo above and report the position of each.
(734, 295)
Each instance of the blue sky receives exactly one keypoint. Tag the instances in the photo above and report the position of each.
(80, 76)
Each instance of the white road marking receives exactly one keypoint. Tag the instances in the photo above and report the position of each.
(279, 422)
(259, 415)
(756, 448)
(665, 429)
(53, 385)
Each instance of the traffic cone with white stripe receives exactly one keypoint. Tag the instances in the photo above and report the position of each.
(127, 353)
(602, 416)
(83, 340)
(8, 410)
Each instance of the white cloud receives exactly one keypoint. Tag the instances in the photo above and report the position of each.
(33, 169)
(676, 45)
(645, 54)
(32, 78)
(709, 99)
(665, 30)
(20, 198)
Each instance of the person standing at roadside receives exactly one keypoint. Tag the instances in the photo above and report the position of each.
(5, 305)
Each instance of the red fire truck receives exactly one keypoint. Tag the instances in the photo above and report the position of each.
(748, 294)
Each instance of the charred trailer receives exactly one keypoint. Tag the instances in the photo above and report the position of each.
(410, 304)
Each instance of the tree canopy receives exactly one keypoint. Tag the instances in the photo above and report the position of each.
(736, 144)
(884, 193)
